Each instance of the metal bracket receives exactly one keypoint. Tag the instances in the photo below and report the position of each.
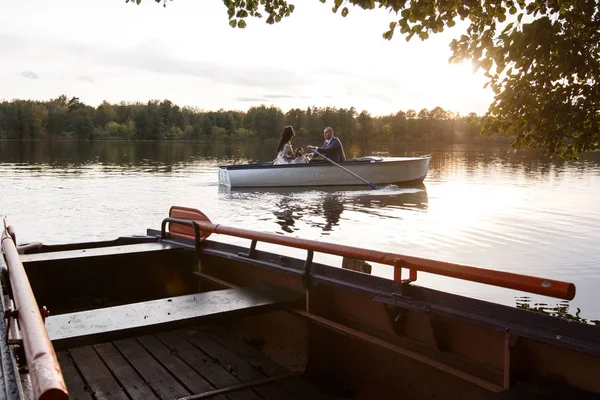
(398, 265)
(45, 313)
(397, 318)
(9, 314)
(252, 252)
(307, 266)
(193, 224)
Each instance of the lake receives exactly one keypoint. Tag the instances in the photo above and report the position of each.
(485, 206)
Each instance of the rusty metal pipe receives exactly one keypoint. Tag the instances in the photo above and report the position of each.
(509, 280)
(46, 376)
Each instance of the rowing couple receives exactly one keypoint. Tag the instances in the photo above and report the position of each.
(332, 148)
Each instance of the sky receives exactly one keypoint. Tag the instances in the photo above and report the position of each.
(187, 52)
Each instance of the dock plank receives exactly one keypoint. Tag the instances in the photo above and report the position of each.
(242, 369)
(161, 381)
(204, 365)
(75, 385)
(98, 378)
(191, 379)
(106, 324)
(129, 379)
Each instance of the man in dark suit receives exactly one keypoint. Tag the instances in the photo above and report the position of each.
(332, 146)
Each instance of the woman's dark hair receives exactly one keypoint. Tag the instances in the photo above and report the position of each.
(286, 135)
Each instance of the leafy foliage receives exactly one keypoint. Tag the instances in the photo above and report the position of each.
(541, 58)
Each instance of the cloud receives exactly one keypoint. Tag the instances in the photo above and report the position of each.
(268, 78)
(157, 60)
(279, 96)
(30, 75)
(266, 97)
(250, 99)
(86, 79)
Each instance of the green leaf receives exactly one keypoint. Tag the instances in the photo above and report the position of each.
(512, 10)
(344, 11)
(233, 23)
(241, 24)
(451, 23)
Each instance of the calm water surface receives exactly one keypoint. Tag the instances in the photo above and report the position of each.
(488, 207)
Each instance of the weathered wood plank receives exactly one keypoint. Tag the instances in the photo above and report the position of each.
(75, 384)
(129, 379)
(191, 379)
(297, 385)
(106, 324)
(159, 379)
(204, 365)
(99, 379)
(238, 366)
(97, 252)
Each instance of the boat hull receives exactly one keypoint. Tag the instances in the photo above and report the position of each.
(165, 305)
(388, 170)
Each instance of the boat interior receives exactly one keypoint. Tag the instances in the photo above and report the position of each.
(174, 315)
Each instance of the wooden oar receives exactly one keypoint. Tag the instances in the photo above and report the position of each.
(371, 185)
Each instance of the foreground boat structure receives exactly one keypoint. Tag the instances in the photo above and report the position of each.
(378, 170)
(173, 314)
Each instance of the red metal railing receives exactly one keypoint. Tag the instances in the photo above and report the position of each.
(46, 377)
(509, 280)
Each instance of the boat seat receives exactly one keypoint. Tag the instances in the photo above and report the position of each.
(98, 252)
(112, 323)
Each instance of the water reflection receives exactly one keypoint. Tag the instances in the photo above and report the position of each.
(289, 212)
(75, 153)
(560, 310)
(322, 208)
(164, 157)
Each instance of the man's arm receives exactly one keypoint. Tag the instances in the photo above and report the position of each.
(333, 146)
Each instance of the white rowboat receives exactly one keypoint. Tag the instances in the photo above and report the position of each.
(378, 170)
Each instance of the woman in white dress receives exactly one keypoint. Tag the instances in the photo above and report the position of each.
(285, 151)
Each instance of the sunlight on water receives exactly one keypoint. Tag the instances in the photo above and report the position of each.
(491, 208)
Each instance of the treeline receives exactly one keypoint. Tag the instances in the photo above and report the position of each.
(163, 120)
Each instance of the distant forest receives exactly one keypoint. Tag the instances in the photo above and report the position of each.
(62, 118)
